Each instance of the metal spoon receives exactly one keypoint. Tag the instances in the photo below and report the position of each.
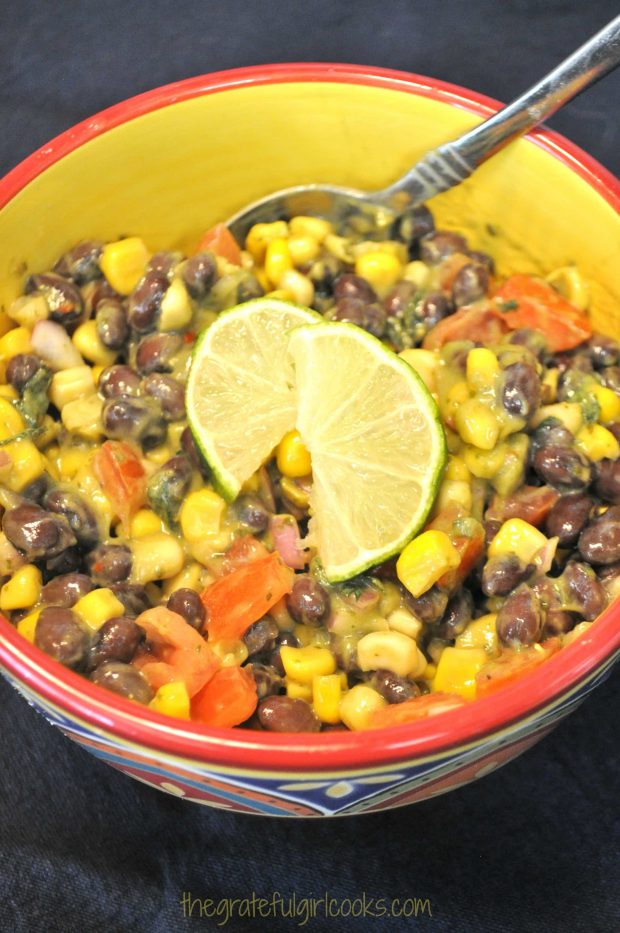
(451, 163)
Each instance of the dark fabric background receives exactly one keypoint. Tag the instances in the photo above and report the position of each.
(533, 847)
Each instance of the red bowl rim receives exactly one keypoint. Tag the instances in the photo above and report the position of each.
(246, 749)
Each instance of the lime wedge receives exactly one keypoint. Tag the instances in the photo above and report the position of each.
(377, 444)
(239, 398)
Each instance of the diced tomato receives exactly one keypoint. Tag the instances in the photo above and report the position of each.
(484, 325)
(220, 240)
(246, 594)
(180, 652)
(531, 503)
(467, 536)
(227, 700)
(417, 708)
(542, 308)
(513, 664)
(122, 477)
(243, 551)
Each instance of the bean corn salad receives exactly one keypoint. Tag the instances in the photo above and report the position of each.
(119, 559)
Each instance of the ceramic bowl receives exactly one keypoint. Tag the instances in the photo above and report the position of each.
(168, 164)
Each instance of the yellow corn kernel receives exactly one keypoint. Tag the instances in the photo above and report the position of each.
(97, 607)
(480, 633)
(608, 403)
(23, 589)
(569, 413)
(429, 672)
(302, 664)
(391, 651)
(70, 384)
(425, 559)
(172, 700)
(299, 287)
(159, 455)
(357, 704)
(27, 626)
(6, 324)
(477, 424)
(401, 620)
(261, 235)
(304, 249)
(314, 227)
(482, 369)
(453, 491)
(83, 417)
(391, 247)
(457, 396)
(303, 634)
(15, 341)
(297, 691)
(191, 577)
(204, 550)
(72, 459)
(201, 514)
(277, 260)
(176, 306)
(156, 557)
(292, 457)
(457, 469)
(425, 363)
(457, 669)
(326, 696)
(381, 269)
(26, 310)
(123, 263)
(231, 652)
(549, 385)
(517, 536)
(574, 634)
(50, 429)
(11, 421)
(9, 393)
(97, 370)
(294, 492)
(569, 282)
(145, 522)
(87, 341)
(340, 247)
(597, 443)
(27, 464)
(417, 272)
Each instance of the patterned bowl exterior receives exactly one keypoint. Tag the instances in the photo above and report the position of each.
(339, 773)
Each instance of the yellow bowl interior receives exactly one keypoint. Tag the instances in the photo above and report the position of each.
(170, 174)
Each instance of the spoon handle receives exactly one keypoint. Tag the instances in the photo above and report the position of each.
(451, 163)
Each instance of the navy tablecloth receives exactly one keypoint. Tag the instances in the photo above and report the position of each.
(532, 847)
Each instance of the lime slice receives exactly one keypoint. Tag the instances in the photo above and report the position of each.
(377, 444)
(239, 398)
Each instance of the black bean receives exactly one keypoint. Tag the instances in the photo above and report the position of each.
(124, 680)
(286, 714)
(571, 365)
(155, 353)
(164, 262)
(435, 247)
(607, 480)
(399, 298)
(168, 486)
(559, 622)
(283, 639)
(521, 392)
(521, 619)
(187, 603)
(599, 542)
(323, 274)
(604, 351)
(59, 633)
(568, 517)
(615, 429)
(350, 285)
(109, 563)
(430, 606)
(145, 301)
(21, 368)
(248, 287)
(413, 225)
(169, 393)
(199, 274)
(66, 589)
(585, 590)
(63, 297)
(470, 283)
(112, 326)
(119, 380)
(308, 601)
(370, 317)
(458, 613)
(562, 467)
(81, 262)
(551, 433)
(610, 377)
(532, 339)
(491, 527)
(502, 574)
(137, 419)
(68, 561)
(434, 308)
(482, 259)
(133, 596)
(392, 688)
(261, 636)
(36, 532)
(250, 511)
(266, 678)
(64, 500)
(37, 488)
(116, 640)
